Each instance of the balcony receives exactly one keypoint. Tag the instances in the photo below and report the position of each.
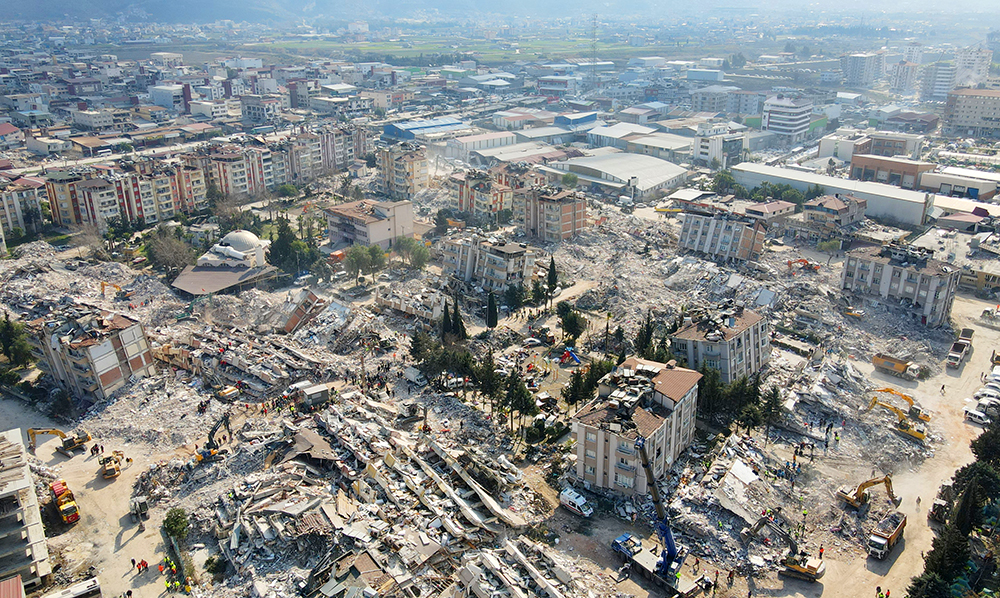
(624, 467)
(625, 449)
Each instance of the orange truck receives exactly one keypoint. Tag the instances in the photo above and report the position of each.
(65, 502)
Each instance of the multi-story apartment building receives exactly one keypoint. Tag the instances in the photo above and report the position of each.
(903, 76)
(972, 113)
(89, 351)
(861, 70)
(481, 195)
(493, 265)
(552, 215)
(305, 156)
(716, 143)
(369, 222)
(341, 145)
(23, 550)
(64, 197)
(722, 236)
(737, 342)
(260, 108)
(641, 399)
(972, 65)
(787, 117)
(835, 210)
(714, 98)
(402, 170)
(904, 275)
(937, 80)
(745, 102)
(20, 204)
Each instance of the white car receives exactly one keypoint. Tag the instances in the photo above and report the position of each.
(532, 342)
(987, 393)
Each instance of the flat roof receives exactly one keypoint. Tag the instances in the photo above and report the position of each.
(651, 171)
(828, 181)
(203, 280)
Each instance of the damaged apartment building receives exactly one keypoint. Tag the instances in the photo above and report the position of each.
(89, 351)
(641, 398)
(735, 341)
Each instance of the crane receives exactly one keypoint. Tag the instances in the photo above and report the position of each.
(664, 565)
(797, 564)
(69, 443)
(903, 425)
(915, 411)
(856, 497)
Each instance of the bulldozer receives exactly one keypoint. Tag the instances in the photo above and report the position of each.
(111, 465)
(903, 425)
(859, 496)
(69, 443)
(915, 412)
(795, 564)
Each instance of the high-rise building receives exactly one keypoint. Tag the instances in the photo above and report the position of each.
(736, 342)
(972, 113)
(23, 551)
(913, 52)
(553, 214)
(402, 170)
(861, 70)
(937, 80)
(972, 66)
(481, 195)
(787, 117)
(903, 76)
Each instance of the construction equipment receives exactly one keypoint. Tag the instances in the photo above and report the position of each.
(796, 564)
(212, 451)
(859, 496)
(903, 426)
(227, 394)
(120, 294)
(941, 507)
(64, 501)
(807, 265)
(906, 370)
(112, 465)
(139, 508)
(665, 570)
(915, 411)
(886, 534)
(69, 443)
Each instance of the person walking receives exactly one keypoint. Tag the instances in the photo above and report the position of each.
(133, 563)
(821, 549)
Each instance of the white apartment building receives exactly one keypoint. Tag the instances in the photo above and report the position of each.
(23, 550)
(937, 80)
(93, 119)
(722, 236)
(904, 275)
(787, 117)
(737, 342)
(260, 109)
(170, 97)
(369, 222)
(972, 65)
(402, 170)
(211, 108)
(972, 113)
(493, 265)
(20, 204)
(903, 76)
(655, 401)
(861, 70)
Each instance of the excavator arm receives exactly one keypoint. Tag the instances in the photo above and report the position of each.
(33, 432)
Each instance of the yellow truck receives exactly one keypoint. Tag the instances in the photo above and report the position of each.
(65, 502)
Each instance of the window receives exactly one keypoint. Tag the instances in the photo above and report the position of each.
(590, 470)
(591, 454)
(624, 481)
(591, 437)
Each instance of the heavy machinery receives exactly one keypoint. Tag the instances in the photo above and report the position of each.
(665, 570)
(906, 370)
(886, 534)
(112, 465)
(859, 496)
(69, 443)
(941, 507)
(211, 452)
(64, 501)
(807, 266)
(903, 426)
(796, 564)
(139, 508)
(915, 411)
(120, 293)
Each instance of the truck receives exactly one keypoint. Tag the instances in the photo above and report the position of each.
(415, 376)
(64, 501)
(575, 502)
(886, 534)
(957, 353)
(906, 370)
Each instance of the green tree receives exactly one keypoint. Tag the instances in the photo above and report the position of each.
(574, 392)
(552, 278)
(404, 247)
(986, 447)
(212, 193)
(570, 180)
(457, 325)
(446, 323)
(982, 473)
(563, 308)
(723, 182)
(831, 246)
(287, 190)
(790, 47)
(356, 261)
(949, 554)
(421, 255)
(519, 399)
(928, 585)
(538, 294)
(513, 296)
(814, 191)
(491, 311)
(488, 381)
(643, 343)
(573, 325)
(441, 221)
(176, 523)
(750, 416)
(376, 259)
(771, 409)
(420, 345)
(715, 164)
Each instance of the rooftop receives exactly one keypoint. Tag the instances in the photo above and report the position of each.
(957, 247)
(915, 258)
(718, 327)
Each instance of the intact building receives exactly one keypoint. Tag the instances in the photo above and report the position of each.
(402, 170)
(972, 113)
(23, 551)
(901, 172)
(495, 266)
(737, 342)
(237, 261)
(552, 214)
(369, 222)
(787, 117)
(89, 351)
(904, 275)
(861, 70)
(639, 399)
(937, 80)
(903, 76)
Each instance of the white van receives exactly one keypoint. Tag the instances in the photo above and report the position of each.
(977, 417)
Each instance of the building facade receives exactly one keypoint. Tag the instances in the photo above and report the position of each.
(736, 342)
(369, 222)
(402, 170)
(835, 210)
(787, 117)
(88, 351)
(480, 194)
(972, 113)
(861, 70)
(904, 275)
(23, 550)
(553, 215)
(493, 265)
(722, 236)
(900, 172)
(641, 399)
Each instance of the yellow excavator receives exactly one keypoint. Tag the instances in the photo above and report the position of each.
(121, 293)
(111, 466)
(915, 411)
(796, 564)
(859, 496)
(69, 443)
(904, 425)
